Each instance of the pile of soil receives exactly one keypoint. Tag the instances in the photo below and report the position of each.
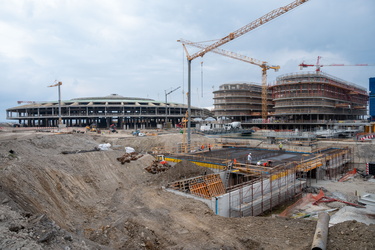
(51, 200)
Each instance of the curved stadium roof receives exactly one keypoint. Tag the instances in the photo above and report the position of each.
(114, 99)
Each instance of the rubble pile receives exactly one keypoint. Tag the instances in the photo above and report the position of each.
(157, 167)
(127, 157)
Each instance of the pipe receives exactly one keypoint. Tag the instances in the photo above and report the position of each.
(216, 205)
(321, 232)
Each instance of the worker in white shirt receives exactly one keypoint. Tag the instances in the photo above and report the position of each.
(249, 158)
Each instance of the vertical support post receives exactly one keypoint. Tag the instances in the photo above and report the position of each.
(279, 187)
(252, 199)
(240, 193)
(59, 103)
(264, 94)
(189, 106)
(166, 109)
(261, 186)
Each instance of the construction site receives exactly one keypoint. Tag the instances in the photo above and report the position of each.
(272, 177)
(117, 172)
(82, 190)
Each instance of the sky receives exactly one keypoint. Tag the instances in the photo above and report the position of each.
(130, 48)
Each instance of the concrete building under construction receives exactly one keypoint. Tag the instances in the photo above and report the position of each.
(240, 101)
(125, 112)
(315, 96)
(297, 100)
(246, 188)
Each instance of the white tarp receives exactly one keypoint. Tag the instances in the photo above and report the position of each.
(129, 150)
(105, 146)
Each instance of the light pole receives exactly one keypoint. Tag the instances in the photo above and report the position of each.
(58, 84)
(166, 103)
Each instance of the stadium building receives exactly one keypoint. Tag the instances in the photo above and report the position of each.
(124, 112)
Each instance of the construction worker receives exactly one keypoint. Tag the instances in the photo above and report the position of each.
(209, 147)
(258, 163)
(249, 158)
(280, 146)
(202, 147)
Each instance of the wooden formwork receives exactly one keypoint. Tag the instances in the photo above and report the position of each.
(206, 186)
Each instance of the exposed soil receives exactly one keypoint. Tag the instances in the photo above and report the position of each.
(89, 200)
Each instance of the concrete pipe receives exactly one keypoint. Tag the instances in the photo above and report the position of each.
(321, 232)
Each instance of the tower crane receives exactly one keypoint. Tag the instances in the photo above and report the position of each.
(318, 65)
(264, 65)
(58, 84)
(231, 36)
(166, 103)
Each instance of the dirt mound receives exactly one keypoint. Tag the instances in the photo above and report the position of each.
(346, 233)
(23, 230)
(92, 201)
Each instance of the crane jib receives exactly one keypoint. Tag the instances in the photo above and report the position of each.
(243, 30)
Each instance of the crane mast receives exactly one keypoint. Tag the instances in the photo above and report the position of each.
(58, 84)
(166, 103)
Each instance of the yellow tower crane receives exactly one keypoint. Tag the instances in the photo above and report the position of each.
(264, 65)
(241, 31)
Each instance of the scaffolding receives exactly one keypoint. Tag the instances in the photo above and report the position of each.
(240, 100)
(242, 189)
(312, 94)
(266, 192)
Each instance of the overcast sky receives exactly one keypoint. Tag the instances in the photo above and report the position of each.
(130, 48)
